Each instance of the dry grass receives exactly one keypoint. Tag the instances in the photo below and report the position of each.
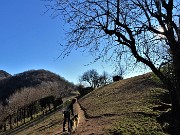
(46, 127)
(125, 107)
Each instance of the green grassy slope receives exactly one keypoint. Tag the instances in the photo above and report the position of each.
(127, 105)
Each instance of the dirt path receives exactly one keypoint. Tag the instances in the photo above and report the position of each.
(82, 120)
(86, 126)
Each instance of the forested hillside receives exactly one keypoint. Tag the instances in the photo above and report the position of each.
(25, 94)
(4, 74)
(32, 79)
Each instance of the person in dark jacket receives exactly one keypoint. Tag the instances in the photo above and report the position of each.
(67, 112)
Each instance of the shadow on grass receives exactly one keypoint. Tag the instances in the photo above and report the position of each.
(146, 114)
(48, 126)
(168, 123)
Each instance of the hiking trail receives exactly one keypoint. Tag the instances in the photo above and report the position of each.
(82, 119)
(86, 126)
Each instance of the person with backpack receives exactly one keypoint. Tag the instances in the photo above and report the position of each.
(67, 112)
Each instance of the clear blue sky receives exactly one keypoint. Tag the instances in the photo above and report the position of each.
(30, 39)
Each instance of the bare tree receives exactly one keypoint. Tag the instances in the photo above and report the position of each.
(119, 71)
(91, 77)
(143, 31)
(104, 79)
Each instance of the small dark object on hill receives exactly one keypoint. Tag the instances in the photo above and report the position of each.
(84, 91)
(117, 78)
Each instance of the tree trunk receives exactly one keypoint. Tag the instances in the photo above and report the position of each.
(176, 65)
(175, 104)
(17, 117)
(10, 121)
(30, 110)
(21, 115)
(24, 114)
(174, 97)
(5, 126)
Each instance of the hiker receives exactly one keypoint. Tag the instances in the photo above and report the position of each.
(67, 111)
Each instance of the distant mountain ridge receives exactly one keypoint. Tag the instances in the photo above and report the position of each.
(4, 74)
(32, 78)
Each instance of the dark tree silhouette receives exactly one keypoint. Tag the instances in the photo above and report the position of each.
(144, 31)
(117, 78)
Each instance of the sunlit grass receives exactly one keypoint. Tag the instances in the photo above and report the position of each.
(128, 104)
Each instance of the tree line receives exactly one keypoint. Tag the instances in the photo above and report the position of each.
(21, 114)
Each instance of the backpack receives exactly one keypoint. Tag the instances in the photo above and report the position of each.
(66, 105)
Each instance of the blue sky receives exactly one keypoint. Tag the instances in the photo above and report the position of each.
(30, 39)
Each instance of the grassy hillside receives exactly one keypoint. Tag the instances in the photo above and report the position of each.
(125, 107)
(121, 108)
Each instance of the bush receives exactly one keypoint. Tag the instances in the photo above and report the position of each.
(84, 91)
